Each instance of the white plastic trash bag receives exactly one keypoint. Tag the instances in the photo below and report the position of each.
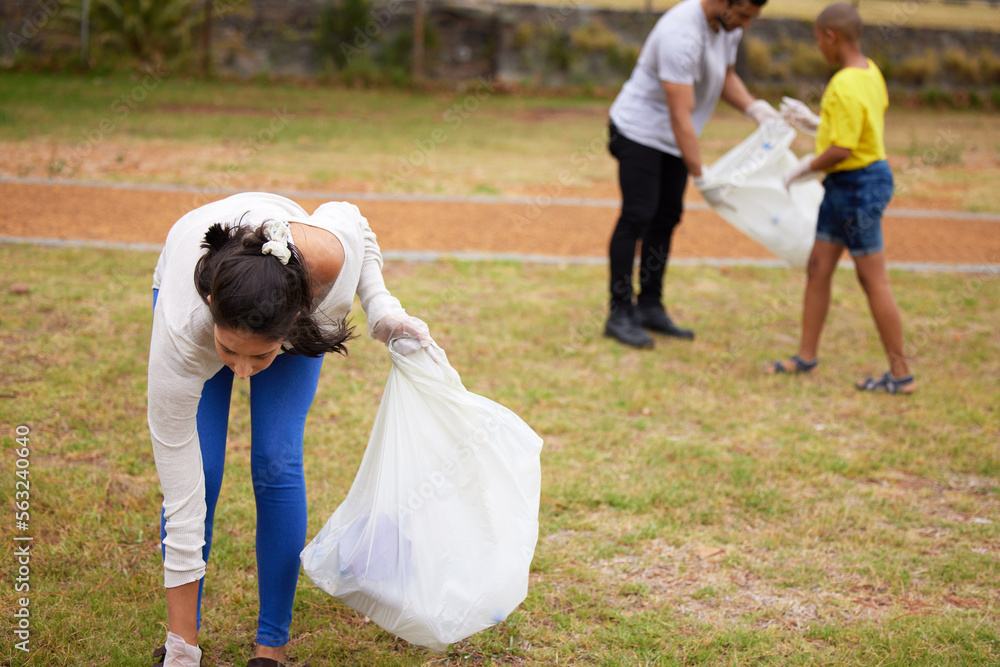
(436, 535)
(756, 201)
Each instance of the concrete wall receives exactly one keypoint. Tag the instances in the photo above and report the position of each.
(565, 44)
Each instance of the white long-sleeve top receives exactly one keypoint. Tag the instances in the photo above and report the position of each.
(182, 355)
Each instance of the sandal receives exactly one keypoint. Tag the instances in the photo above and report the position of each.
(801, 366)
(886, 383)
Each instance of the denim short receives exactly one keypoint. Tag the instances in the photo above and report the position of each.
(851, 212)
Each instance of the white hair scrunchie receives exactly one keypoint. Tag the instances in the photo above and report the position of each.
(278, 235)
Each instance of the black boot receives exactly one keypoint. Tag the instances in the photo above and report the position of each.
(622, 326)
(656, 319)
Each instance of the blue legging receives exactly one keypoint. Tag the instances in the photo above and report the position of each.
(280, 397)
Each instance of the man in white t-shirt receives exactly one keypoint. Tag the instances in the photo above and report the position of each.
(684, 68)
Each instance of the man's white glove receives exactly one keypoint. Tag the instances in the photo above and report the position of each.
(410, 333)
(760, 111)
(714, 192)
(798, 115)
(801, 172)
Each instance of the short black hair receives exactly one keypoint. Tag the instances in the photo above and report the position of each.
(843, 18)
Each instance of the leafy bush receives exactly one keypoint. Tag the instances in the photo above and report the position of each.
(357, 44)
(806, 60)
(885, 64)
(558, 50)
(989, 66)
(341, 33)
(593, 37)
(917, 69)
(143, 31)
(525, 35)
(621, 58)
(758, 55)
(934, 97)
(960, 67)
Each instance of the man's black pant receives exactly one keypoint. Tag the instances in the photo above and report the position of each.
(652, 184)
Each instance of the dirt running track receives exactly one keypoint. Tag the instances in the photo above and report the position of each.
(131, 215)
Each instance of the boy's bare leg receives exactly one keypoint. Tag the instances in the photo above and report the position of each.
(816, 302)
(819, 285)
(874, 278)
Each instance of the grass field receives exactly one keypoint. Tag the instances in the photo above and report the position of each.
(980, 15)
(694, 510)
(469, 142)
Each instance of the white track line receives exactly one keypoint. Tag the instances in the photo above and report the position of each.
(434, 256)
(545, 200)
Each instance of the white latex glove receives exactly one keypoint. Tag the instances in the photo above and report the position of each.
(179, 653)
(798, 115)
(413, 331)
(714, 192)
(761, 111)
(801, 172)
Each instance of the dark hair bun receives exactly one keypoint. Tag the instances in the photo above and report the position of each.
(217, 237)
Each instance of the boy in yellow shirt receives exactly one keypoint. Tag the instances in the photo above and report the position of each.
(850, 150)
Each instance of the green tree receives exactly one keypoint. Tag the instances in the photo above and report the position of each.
(144, 31)
(341, 31)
